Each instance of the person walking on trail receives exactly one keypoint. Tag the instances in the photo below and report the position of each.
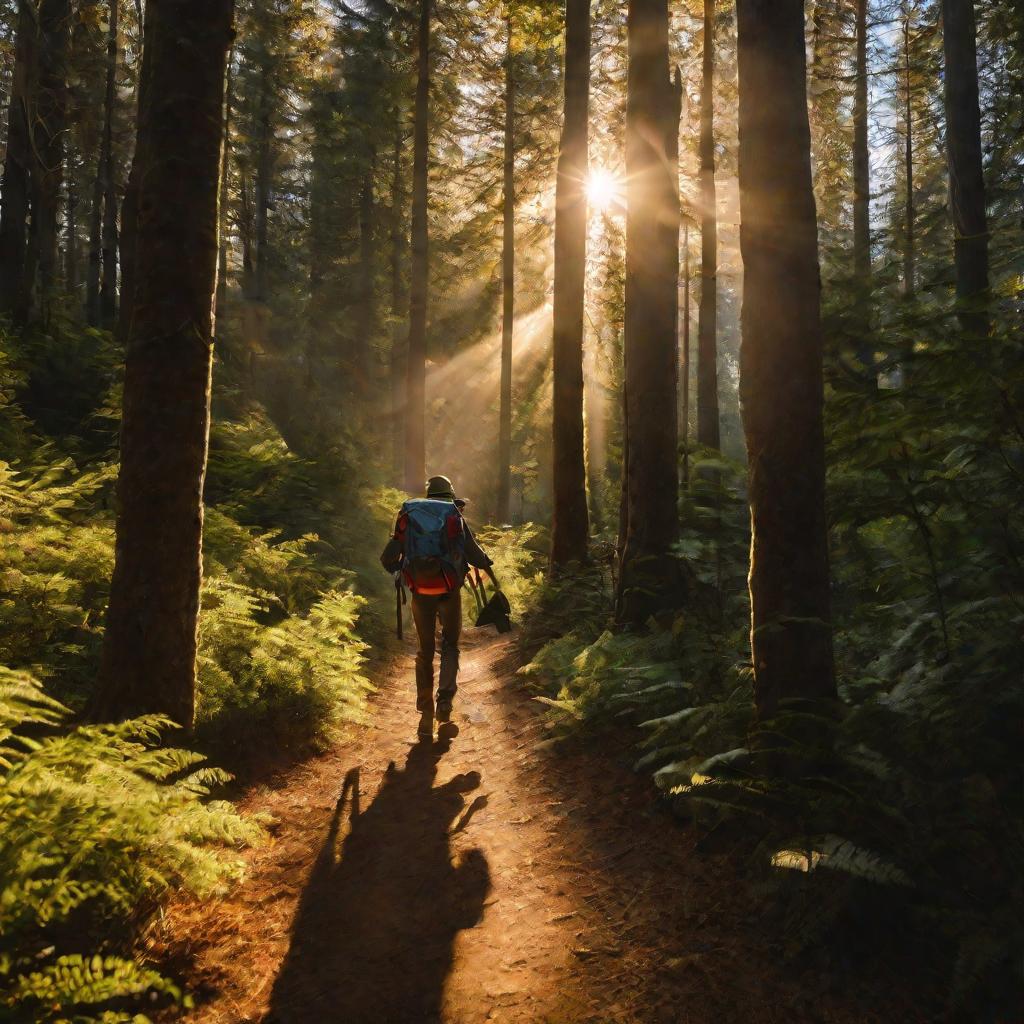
(431, 551)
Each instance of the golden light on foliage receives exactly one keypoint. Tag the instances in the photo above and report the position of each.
(604, 190)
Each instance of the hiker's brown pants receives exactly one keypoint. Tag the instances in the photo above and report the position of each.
(427, 610)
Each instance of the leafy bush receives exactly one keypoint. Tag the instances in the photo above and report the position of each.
(99, 823)
(597, 673)
(518, 554)
(257, 479)
(576, 603)
(55, 564)
(290, 683)
(278, 647)
(903, 807)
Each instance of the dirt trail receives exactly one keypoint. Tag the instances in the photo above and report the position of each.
(481, 878)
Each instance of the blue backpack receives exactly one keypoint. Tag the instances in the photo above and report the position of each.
(435, 545)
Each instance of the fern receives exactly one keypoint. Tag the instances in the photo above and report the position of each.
(99, 823)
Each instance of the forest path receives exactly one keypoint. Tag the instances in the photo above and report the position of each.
(479, 878)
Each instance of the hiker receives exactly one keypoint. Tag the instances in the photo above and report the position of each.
(432, 548)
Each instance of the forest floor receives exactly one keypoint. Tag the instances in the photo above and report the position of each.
(487, 877)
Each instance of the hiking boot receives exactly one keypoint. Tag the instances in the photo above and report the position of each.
(444, 711)
(425, 730)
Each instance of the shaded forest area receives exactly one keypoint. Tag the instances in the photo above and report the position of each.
(712, 308)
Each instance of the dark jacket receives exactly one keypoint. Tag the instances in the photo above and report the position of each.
(393, 553)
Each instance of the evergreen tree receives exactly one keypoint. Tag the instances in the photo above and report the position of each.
(16, 189)
(416, 350)
(149, 653)
(508, 280)
(781, 367)
(649, 576)
(966, 178)
(707, 343)
(570, 526)
(862, 190)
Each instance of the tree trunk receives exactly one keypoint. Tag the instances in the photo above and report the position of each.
(130, 205)
(862, 192)
(966, 181)
(597, 459)
(264, 174)
(92, 282)
(51, 119)
(686, 356)
(246, 232)
(367, 320)
(909, 253)
(707, 334)
(149, 652)
(781, 383)
(71, 240)
(15, 197)
(225, 174)
(650, 577)
(108, 286)
(570, 528)
(399, 300)
(416, 352)
(508, 278)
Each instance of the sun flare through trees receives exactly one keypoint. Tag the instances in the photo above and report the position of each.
(526, 496)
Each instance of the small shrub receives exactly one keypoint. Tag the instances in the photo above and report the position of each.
(291, 683)
(99, 823)
(517, 555)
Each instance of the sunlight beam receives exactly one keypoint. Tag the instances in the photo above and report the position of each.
(604, 190)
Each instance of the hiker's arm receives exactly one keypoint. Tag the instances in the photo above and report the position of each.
(391, 556)
(478, 558)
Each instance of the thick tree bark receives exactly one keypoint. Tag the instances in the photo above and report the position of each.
(416, 350)
(707, 338)
(508, 280)
(966, 180)
(862, 191)
(130, 204)
(570, 528)
(909, 252)
(650, 579)
(399, 301)
(781, 361)
(51, 120)
(15, 197)
(149, 652)
(108, 285)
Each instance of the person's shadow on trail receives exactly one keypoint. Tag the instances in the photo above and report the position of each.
(372, 939)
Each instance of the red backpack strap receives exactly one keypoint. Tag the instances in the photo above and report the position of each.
(454, 526)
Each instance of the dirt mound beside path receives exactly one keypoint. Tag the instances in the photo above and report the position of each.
(480, 878)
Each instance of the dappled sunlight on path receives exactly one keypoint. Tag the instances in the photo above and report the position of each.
(482, 878)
